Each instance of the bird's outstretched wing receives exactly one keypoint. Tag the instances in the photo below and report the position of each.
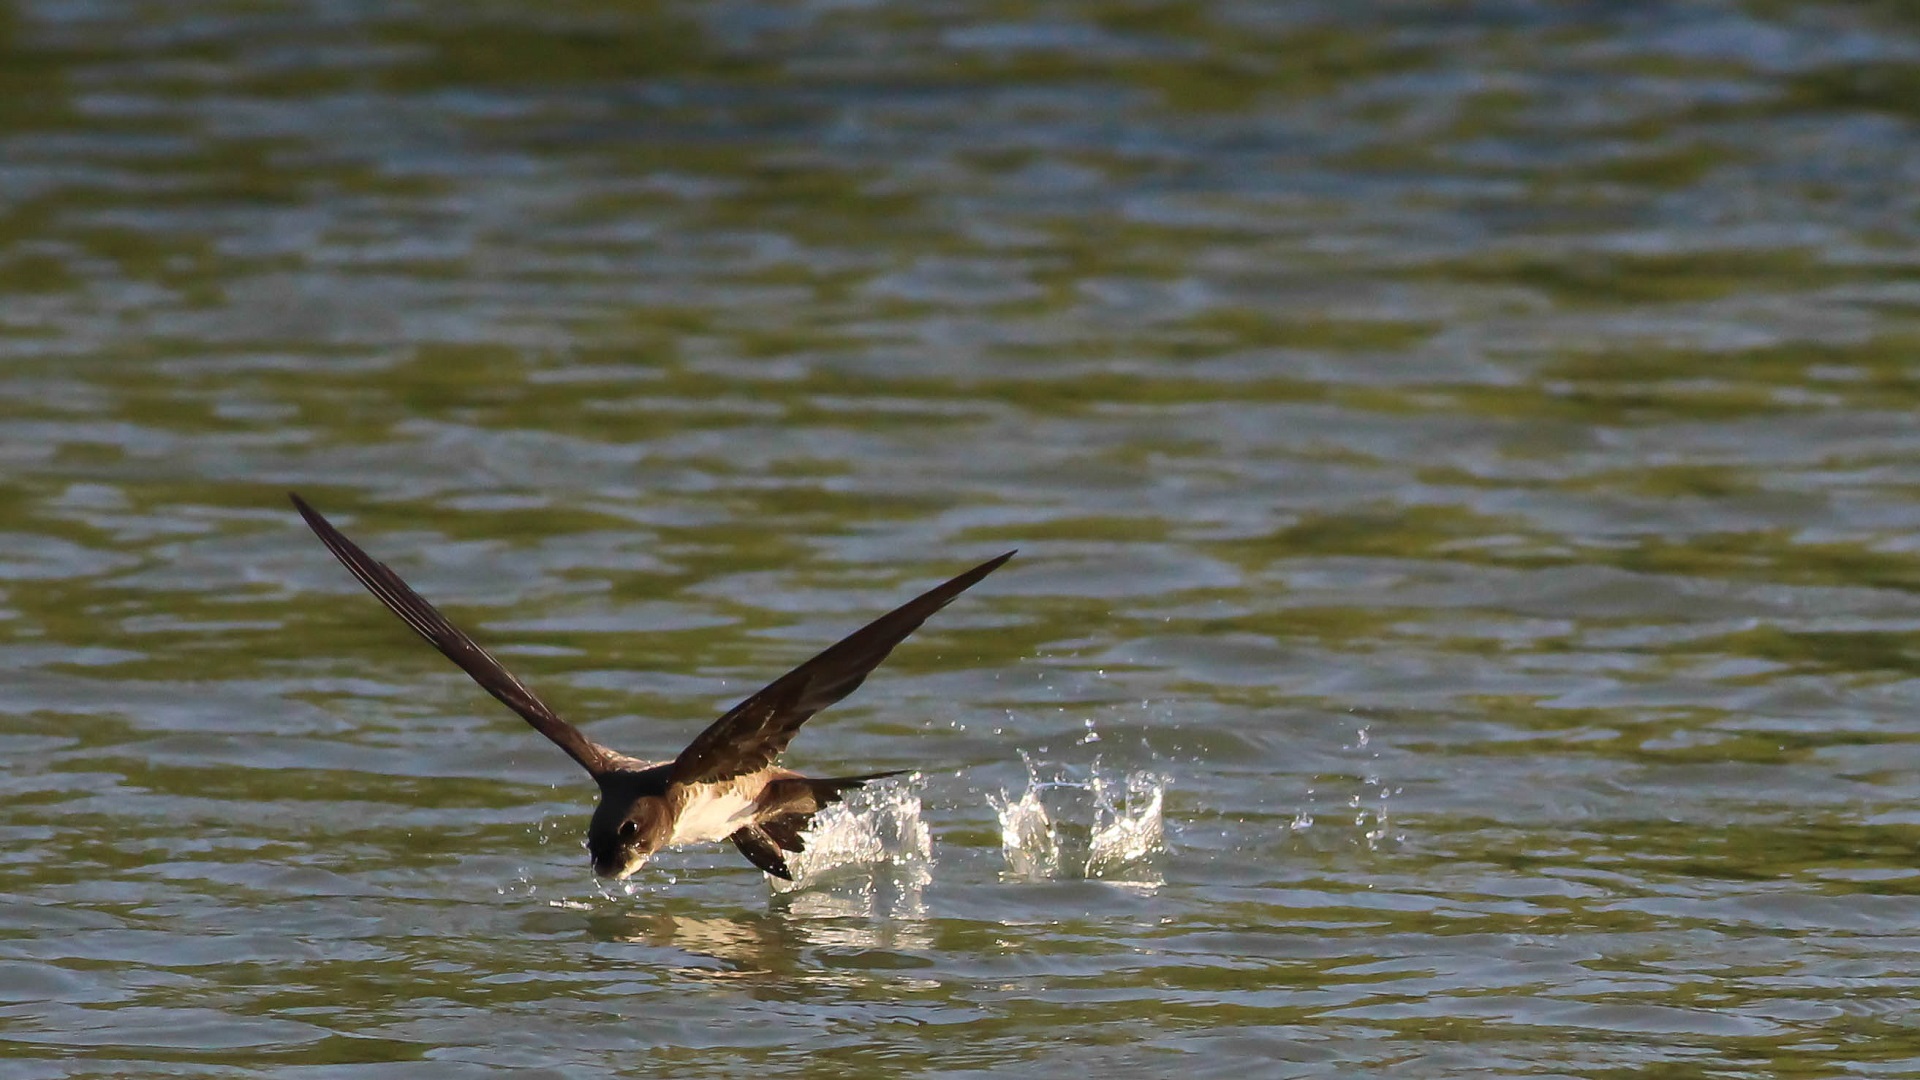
(755, 731)
(477, 662)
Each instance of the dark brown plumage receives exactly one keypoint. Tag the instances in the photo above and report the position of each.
(724, 785)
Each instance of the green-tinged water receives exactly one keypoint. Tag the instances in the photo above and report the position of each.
(1468, 454)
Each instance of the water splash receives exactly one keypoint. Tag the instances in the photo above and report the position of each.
(1372, 822)
(1069, 825)
(1367, 809)
(870, 855)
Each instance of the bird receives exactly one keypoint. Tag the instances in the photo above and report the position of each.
(725, 785)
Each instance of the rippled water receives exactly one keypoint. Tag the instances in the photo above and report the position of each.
(1468, 454)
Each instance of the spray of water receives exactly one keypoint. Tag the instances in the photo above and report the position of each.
(870, 855)
(1083, 823)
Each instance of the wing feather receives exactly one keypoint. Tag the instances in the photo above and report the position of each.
(478, 663)
(753, 733)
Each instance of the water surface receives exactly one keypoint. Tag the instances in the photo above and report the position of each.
(1470, 453)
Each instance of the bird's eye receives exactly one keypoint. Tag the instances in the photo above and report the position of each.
(628, 829)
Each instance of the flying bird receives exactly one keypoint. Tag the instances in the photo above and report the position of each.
(724, 785)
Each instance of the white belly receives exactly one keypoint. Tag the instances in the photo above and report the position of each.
(712, 814)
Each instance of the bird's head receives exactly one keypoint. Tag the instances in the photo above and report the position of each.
(626, 829)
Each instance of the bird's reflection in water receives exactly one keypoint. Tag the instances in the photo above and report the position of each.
(841, 935)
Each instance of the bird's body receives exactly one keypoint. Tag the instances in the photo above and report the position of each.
(724, 785)
(716, 811)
